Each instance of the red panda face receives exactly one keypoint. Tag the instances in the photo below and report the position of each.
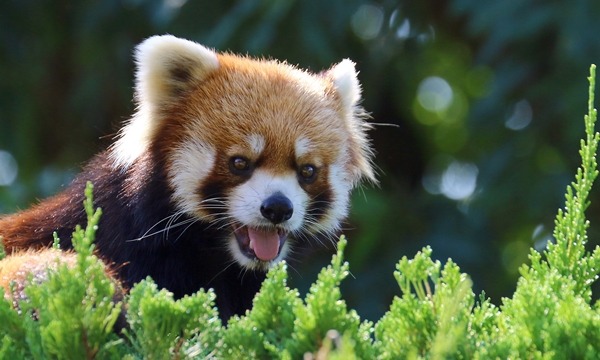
(263, 151)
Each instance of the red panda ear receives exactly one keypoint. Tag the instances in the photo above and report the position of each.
(344, 78)
(168, 66)
(346, 83)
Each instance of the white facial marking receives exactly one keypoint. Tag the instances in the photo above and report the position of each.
(256, 143)
(192, 163)
(340, 187)
(302, 147)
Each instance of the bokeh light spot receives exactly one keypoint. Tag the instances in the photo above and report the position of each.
(8, 168)
(435, 94)
(454, 179)
(521, 116)
(367, 21)
(459, 180)
(403, 32)
(176, 4)
(541, 238)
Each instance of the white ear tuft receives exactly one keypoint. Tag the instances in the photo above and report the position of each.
(167, 66)
(345, 80)
(346, 83)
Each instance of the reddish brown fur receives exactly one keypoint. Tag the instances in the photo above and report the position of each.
(262, 112)
(20, 267)
(24, 230)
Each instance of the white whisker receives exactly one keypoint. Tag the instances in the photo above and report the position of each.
(231, 262)
(187, 227)
(147, 234)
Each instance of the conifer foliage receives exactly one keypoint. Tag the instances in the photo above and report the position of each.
(73, 314)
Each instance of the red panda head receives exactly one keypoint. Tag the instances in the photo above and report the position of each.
(260, 149)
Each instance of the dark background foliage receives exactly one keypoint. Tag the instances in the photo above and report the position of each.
(487, 99)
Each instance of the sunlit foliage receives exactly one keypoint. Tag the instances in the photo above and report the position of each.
(437, 316)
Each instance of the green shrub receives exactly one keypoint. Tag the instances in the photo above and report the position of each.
(550, 315)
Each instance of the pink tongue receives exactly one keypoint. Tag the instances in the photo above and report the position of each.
(264, 243)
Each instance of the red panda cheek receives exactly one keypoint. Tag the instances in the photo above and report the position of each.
(214, 189)
(320, 195)
(319, 205)
(190, 164)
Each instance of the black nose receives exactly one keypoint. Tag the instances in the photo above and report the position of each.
(277, 208)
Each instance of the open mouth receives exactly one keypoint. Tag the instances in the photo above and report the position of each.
(260, 243)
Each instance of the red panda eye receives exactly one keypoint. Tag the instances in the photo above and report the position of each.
(239, 165)
(308, 173)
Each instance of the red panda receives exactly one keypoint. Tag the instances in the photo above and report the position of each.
(23, 267)
(228, 163)
(16, 270)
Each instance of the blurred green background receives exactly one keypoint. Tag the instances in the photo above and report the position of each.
(488, 99)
